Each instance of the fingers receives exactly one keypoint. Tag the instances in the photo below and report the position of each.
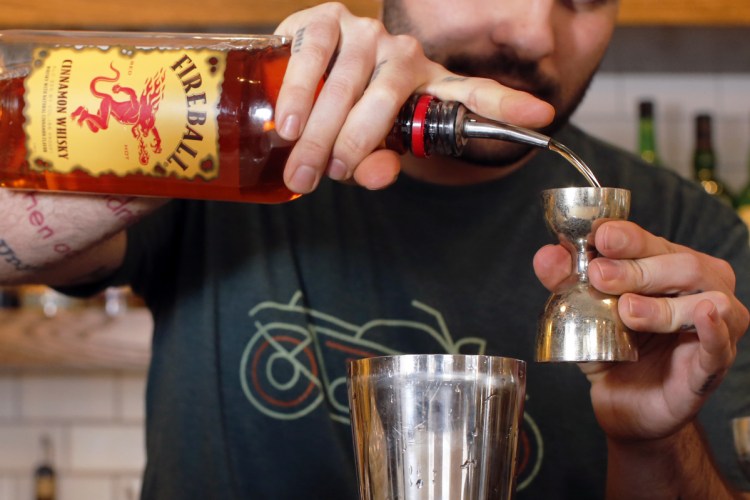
(626, 240)
(670, 274)
(313, 46)
(637, 261)
(343, 127)
(483, 98)
(369, 75)
(662, 283)
(670, 314)
(377, 170)
(392, 80)
(716, 352)
(552, 265)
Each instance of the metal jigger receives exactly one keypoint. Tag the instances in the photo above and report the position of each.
(579, 322)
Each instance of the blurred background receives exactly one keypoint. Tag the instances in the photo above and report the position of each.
(72, 373)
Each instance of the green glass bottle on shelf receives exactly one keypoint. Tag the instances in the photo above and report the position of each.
(704, 161)
(743, 199)
(647, 133)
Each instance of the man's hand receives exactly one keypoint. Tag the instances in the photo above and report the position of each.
(682, 304)
(369, 75)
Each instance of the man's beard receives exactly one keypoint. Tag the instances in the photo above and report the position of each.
(503, 65)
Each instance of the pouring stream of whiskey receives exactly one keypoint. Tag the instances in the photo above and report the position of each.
(574, 160)
(477, 127)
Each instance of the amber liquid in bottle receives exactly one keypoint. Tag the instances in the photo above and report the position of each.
(251, 155)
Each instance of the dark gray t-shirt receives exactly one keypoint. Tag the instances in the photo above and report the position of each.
(258, 307)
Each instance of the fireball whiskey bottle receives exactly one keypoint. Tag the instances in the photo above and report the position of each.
(174, 115)
(184, 116)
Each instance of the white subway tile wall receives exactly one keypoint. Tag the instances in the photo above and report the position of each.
(610, 111)
(96, 420)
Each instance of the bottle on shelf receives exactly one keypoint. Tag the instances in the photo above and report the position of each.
(48, 302)
(44, 474)
(173, 115)
(647, 132)
(704, 161)
(9, 297)
(742, 201)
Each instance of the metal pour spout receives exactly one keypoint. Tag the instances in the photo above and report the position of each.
(476, 127)
(427, 126)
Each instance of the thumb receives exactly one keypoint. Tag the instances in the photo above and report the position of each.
(552, 265)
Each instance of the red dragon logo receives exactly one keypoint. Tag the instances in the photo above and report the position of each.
(138, 111)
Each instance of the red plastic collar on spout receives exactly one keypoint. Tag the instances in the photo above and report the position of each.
(418, 126)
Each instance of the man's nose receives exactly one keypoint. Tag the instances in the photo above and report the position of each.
(525, 26)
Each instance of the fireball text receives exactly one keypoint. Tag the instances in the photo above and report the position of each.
(192, 82)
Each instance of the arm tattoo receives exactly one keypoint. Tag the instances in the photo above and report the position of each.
(298, 37)
(9, 255)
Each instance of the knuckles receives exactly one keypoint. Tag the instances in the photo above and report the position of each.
(408, 48)
(335, 9)
(369, 28)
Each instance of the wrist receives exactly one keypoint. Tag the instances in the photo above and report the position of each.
(674, 466)
(642, 469)
(648, 448)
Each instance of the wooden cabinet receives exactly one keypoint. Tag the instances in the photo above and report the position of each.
(241, 14)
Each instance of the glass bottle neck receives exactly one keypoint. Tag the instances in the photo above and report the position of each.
(647, 141)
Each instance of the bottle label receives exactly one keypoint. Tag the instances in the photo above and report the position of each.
(151, 112)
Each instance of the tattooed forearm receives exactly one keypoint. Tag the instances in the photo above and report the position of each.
(57, 237)
(37, 219)
(449, 79)
(120, 207)
(298, 37)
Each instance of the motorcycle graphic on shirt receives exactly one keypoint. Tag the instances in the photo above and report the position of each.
(292, 363)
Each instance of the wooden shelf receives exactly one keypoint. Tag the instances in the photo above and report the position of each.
(225, 14)
(161, 15)
(685, 12)
(76, 339)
